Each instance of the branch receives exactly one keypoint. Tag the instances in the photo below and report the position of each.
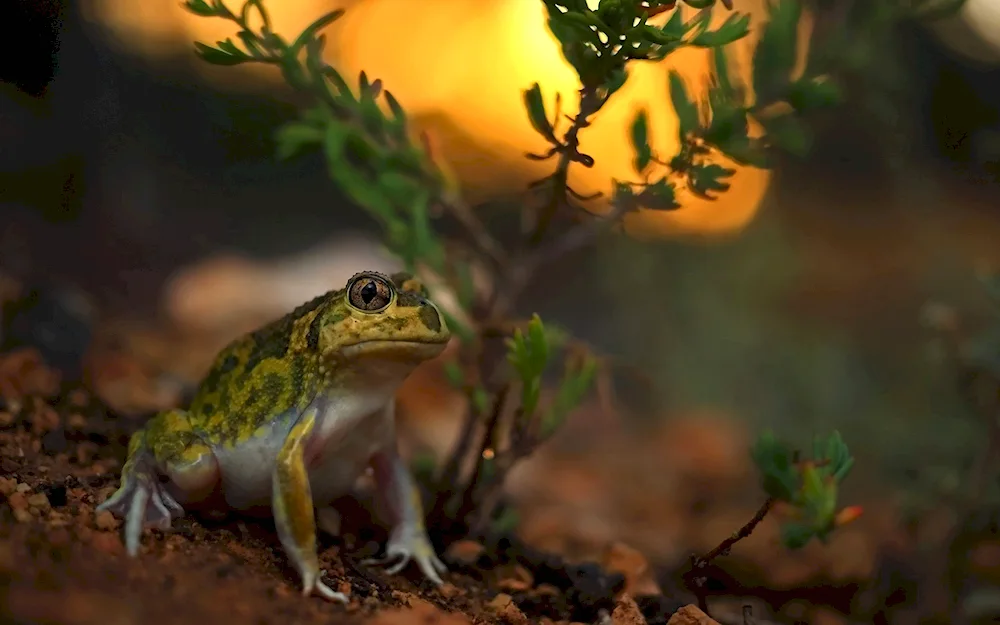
(569, 152)
(575, 238)
(695, 577)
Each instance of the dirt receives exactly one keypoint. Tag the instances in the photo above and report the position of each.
(60, 453)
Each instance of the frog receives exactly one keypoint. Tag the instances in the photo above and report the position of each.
(288, 418)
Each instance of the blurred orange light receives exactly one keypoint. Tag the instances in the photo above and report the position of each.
(459, 67)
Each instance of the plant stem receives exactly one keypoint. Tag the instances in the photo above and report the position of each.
(695, 576)
(568, 153)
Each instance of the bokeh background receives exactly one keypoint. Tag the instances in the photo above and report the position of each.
(139, 192)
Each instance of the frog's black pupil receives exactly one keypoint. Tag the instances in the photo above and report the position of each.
(368, 292)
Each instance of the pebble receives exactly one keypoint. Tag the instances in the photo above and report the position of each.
(7, 485)
(106, 521)
(107, 542)
(631, 563)
(626, 612)
(507, 611)
(464, 552)
(691, 615)
(17, 501)
(39, 501)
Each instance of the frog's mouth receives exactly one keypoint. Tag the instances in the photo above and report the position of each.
(394, 350)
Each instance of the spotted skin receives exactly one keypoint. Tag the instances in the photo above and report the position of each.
(288, 417)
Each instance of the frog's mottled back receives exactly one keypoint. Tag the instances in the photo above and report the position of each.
(283, 366)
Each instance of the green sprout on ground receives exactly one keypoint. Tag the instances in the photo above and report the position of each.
(503, 368)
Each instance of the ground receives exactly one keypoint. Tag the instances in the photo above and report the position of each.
(609, 515)
(62, 563)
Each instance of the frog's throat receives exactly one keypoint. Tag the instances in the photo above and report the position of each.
(410, 351)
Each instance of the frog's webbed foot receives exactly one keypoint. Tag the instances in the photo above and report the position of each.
(143, 502)
(410, 543)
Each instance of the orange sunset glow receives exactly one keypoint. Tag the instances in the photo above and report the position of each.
(458, 67)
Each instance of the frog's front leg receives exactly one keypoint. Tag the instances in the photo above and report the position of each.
(400, 497)
(166, 460)
(292, 504)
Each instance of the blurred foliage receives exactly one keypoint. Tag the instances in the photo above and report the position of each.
(809, 487)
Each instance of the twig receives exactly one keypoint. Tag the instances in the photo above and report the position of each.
(575, 238)
(569, 152)
(695, 576)
(488, 441)
(468, 218)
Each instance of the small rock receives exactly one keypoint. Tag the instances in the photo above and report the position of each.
(626, 612)
(449, 590)
(76, 422)
(107, 542)
(465, 552)
(691, 615)
(7, 486)
(517, 579)
(106, 521)
(631, 563)
(6, 419)
(21, 515)
(507, 611)
(22, 488)
(39, 501)
(17, 501)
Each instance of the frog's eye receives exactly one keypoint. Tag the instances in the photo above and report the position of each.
(369, 293)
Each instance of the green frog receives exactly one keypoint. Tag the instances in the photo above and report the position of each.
(288, 418)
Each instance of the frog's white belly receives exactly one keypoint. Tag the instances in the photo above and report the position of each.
(346, 435)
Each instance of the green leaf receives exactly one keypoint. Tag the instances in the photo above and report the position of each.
(796, 535)
(779, 477)
(311, 30)
(661, 195)
(616, 80)
(261, 12)
(687, 111)
(675, 26)
(535, 106)
(506, 522)
(453, 373)
(705, 179)
(480, 400)
(789, 133)
(293, 138)
(347, 177)
(397, 111)
(218, 56)
(776, 52)
(581, 28)
(640, 142)
(813, 93)
(200, 7)
(733, 29)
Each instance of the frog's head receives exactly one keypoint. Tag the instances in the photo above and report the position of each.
(384, 318)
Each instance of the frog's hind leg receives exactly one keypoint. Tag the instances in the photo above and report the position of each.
(166, 460)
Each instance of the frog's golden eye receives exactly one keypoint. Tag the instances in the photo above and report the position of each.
(369, 293)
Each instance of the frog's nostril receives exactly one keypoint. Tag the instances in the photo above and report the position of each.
(430, 317)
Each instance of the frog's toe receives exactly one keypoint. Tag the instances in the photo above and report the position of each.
(313, 583)
(401, 553)
(142, 503)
